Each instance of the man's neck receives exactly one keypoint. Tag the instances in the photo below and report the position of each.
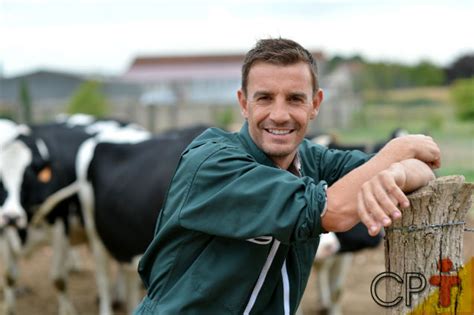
(287, 163)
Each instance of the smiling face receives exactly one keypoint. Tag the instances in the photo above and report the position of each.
(278, 107)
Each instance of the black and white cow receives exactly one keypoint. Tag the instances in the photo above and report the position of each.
(123, 181)
(38, 161)
(9, 130)
(33, 166)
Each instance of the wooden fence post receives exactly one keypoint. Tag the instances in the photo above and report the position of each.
(431, 229)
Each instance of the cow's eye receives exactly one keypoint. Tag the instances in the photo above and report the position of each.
(45, 174)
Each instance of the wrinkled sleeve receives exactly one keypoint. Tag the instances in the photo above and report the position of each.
(231, 195)
(337, 163)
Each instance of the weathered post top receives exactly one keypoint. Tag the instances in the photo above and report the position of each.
(427, 240)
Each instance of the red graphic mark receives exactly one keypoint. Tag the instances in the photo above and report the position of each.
(445, 282)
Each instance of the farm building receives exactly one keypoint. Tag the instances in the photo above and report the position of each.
(167, 91)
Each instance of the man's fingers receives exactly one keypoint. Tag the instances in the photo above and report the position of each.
(399, 197)
(435, 164)
(383, 201)
(396, 214)
(378, 201)
(366, 218)
(378, 211)
(429, 151)
(389, 195)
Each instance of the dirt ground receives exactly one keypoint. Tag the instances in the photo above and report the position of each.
(37, 296)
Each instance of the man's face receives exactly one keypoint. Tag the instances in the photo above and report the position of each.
(278, 106)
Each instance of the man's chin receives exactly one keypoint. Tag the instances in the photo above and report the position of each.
(278, 152)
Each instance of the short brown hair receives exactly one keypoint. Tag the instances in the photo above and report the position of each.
(279, 51)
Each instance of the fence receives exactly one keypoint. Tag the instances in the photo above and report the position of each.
(425, 246)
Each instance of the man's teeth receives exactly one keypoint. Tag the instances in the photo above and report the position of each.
(279, 132)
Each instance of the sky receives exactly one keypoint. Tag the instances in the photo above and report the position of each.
(104, 36)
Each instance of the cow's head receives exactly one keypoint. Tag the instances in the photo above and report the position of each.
(27, 178)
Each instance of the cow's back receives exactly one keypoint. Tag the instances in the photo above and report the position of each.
(130, 182)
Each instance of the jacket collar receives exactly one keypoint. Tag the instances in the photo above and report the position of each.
(252, 148)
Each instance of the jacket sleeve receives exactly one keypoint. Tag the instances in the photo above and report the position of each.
(231, 195)
(335, 164)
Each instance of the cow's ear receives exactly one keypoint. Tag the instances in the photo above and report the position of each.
(45, 174)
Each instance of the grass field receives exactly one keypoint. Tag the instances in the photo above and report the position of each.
(421, 110)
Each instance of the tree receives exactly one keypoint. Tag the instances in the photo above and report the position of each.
(462, 92)
(384, 76)
(427, 74)
(334, 62)
(25, 101)
(89, 99)
(462, 68)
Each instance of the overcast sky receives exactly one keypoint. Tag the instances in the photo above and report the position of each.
(104, 36)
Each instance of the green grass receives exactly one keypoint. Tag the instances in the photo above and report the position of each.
(424, 111)
(467, 173)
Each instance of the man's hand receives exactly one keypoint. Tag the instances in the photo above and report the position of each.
(379, 198)
(419, 147)
(372, 191)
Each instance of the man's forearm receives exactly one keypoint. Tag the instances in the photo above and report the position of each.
(418, 174)
(342, 196)
(420, 147)
(341, 213)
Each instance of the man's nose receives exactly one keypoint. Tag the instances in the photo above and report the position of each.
(280, 112)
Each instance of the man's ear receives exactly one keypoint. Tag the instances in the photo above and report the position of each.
(317, 100)
(243, 103)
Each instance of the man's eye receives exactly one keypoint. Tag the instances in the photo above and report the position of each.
(296, 100)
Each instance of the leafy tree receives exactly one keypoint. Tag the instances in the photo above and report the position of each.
(462, 92)
(25, 101)
(462, 68)
(427, 74)
(225, 118)
(334, 62)
(89, 99)
(356, 58)
(337, 60)
(384, 76)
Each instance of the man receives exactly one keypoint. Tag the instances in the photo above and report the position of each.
(241, 223)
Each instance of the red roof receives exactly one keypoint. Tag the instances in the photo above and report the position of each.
(180, 60)
(181, 68)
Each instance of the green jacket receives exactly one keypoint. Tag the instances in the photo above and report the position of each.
(237, 235)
